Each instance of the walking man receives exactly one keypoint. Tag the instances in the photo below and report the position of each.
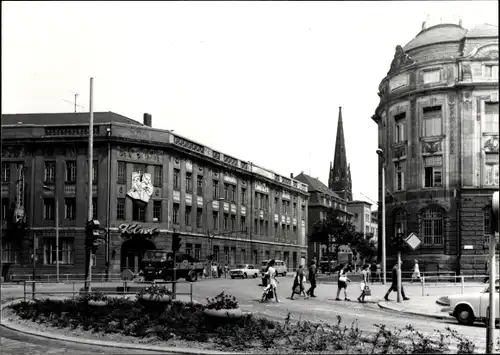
(312, 278)
(394, 286)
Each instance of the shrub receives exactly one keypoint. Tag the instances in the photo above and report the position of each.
(93, 296)
(222, 301)
(155, 291)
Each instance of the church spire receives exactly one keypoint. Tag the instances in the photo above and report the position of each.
(340, 173)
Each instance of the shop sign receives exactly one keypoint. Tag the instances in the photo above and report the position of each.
(135, 229)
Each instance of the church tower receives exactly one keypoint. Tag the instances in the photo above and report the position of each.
(339, 179)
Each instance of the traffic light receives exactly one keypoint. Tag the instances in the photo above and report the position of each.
(176, 242)
(93, 234)
(494, 213)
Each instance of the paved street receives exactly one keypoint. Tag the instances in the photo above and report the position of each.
(322, 308)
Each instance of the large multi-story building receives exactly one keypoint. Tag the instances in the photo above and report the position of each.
(147, 183)
(321, 200)
(362, 217)
(438, 130)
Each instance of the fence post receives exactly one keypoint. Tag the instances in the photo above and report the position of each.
(191, 292)
(24, 291)
(463, 284)
(33, 289)
(73, 290)
(423, 285)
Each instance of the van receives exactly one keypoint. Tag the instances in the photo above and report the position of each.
(279, 265)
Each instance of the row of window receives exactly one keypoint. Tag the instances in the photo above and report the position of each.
(49, 250)
(432, 121)
(50, 171)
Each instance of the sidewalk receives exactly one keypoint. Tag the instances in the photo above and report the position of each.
(420, 306)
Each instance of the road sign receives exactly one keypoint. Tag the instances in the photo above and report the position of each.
(413, 241)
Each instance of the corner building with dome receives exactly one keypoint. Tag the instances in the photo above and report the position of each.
(438, 128)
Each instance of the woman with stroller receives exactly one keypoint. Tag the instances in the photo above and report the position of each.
(342, 281)
(271, 274)
(298, 283)
(365, 289)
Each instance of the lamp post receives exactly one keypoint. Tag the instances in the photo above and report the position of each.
(380, 153)
(48, 188)
(210, 238)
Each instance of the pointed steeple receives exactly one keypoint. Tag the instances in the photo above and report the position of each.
(340, 174)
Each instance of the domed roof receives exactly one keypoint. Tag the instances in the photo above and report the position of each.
(484, 30)
(436, 34)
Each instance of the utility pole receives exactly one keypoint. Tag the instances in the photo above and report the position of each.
(490, 330)
(400, 245)
(88, 251)
(380, 152)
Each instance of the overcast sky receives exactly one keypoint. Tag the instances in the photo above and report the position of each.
(261, 81)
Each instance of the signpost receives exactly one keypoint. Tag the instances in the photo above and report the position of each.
(413, 241)
(490, 330)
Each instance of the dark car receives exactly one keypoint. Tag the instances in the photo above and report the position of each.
(159, 264)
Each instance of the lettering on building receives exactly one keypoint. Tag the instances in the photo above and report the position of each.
(136, 229)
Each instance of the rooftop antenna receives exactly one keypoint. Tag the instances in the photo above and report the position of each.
(75, 105)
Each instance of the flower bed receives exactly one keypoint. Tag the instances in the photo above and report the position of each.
(181, 324)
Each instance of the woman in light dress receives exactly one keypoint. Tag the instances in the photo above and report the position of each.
(416, 272)
(271, 274)
(364, 283)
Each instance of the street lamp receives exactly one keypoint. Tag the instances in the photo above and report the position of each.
(380, 153)
(210, 238)
(48, 188)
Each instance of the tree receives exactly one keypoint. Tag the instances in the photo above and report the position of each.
(363, 245)
(333, 232)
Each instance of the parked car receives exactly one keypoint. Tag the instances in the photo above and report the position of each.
(243, 271)
(468, 308)
(279, 266)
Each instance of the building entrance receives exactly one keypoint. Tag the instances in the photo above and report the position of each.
(132, 252)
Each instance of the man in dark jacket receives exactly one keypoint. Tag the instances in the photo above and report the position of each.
(312, 278)
(394, 286)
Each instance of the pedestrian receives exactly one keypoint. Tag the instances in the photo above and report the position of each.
(219, 270)
(312, 278)
(226, 269)
(379, 272)
(416, 272)
(298, 283)
(394, 286)
(363, 285)
(342, 282)
(272, 285)
(373, 271)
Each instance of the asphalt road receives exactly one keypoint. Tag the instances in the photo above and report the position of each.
(320, 309)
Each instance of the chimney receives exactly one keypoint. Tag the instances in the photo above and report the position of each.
(148, 120)
(291, 175)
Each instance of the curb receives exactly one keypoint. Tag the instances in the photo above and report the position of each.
(383, 305)
(110, 344)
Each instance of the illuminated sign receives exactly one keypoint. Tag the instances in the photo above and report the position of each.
(135, 229)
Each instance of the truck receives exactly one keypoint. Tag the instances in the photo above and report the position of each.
(159, 264)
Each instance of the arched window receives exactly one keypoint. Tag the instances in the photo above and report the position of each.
(400, 222)
(432, 222)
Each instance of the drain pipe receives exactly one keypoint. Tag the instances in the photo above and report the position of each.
(108, 214)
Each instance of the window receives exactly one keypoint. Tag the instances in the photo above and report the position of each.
(50, 252)
(226, 192)
(94, 208)
(243, 222)
(175, 213)
(491, 170)
(262, 202)
(432, 121)
(294, 230)
(177, 182)
(243, 252)
(490, 123)
(400, 176)
(367, 229)
(216, 253)
(491, 71)
(233, 193)
(433, 171)
(197, 251)
(261, 226)
(255, 257)
(158, 176)
(9, 253)
(50, 171)
(95, 169)
(215, 220)
(487, 226)
(226, 255)
(433, 226)
(257, 200)
(400, 127)
(120, 208)
(122, 172)
(275, 229)
(233, 222)
(400, 222)
(70, 171)
(432, 76)
(189, 183)
(294, 208)
(187, 216)
(285, 206)
(267, 228)
(5, 209)
(233, 256)
(189, 248)
(199, 217)
(48, 209)
(199, 185)
(157, 211)
(283, 230)
(276, 210)
(5, 172)
(70, 209)
(243, 195)
(140, 168)
(215, 189)
(138, 212)
(256, 226)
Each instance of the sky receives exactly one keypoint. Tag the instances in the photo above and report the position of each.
(260, 81)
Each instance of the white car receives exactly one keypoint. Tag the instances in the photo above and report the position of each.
(468, 308)
(244, 271)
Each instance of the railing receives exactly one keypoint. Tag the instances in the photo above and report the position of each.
(462, 281)
(64, 277)
(127, 288)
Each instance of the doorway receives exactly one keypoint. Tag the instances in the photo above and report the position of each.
(132, 252)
